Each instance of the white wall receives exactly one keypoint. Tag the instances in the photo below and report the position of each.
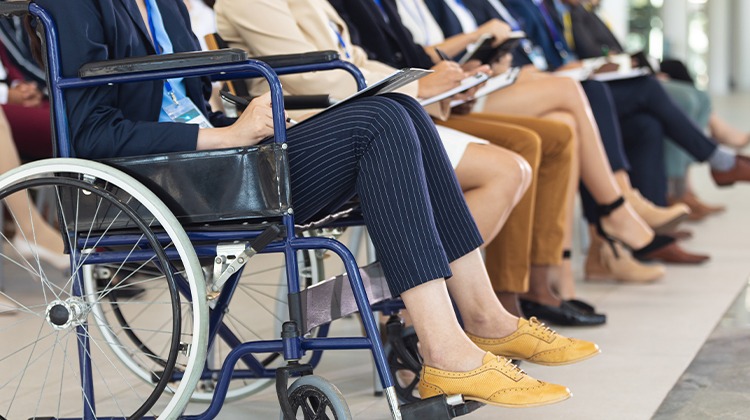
(720, 45)
(741, 46)
(618, 14)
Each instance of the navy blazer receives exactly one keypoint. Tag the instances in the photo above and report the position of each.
(532, 21)
(445, 17)
(388, 42)
(120, 120)
(484, 12)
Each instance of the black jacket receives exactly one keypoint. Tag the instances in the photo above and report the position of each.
(388, 42)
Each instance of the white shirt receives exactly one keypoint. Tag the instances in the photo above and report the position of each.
(202, 20)
(419, 21)
(3, 86)
(468, 23)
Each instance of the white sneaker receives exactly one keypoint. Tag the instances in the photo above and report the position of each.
(32, 251)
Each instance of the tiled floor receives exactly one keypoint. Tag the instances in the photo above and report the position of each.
(653, 335)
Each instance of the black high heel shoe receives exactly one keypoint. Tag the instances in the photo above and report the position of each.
(659, 241)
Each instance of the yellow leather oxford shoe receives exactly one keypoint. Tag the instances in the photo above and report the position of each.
(497, 382)
(536, 343)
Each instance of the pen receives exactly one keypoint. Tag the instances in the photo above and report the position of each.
(443, 56)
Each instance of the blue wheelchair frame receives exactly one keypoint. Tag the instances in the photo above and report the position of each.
(292, 348)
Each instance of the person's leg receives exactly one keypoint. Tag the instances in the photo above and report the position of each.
(644, 145)
(507, 255)
(493, 180)
(550, 209)
(26, 219)
(726, 133)
(696, 105)
(371, 148)
(533, 99)
(470, 286)
(646, 95)
(564, 284)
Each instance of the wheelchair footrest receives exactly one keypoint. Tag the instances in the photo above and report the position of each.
(439, 407)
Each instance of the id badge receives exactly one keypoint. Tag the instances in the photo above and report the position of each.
(185, 111)
(536, 55)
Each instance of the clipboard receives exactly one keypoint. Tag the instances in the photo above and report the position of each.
(465, 85)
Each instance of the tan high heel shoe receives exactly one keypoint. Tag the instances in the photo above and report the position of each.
(660, 219)
(602, 264)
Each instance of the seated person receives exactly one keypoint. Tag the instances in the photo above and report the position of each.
(593, 38)
(26, 109)
(385, 149)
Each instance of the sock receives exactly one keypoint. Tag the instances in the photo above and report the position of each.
(723, 159)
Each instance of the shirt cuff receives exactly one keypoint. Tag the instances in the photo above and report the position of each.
(3, 93)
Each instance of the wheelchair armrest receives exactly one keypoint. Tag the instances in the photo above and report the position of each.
(307, 101)
(290, 102)
(161, 62)
(14, 8)
(197, 59)
(302, 59)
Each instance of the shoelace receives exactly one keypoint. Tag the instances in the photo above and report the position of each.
(513, 370)
(543, 329)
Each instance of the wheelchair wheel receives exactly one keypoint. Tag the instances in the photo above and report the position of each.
(314, 398)
(257, 309)
(56, 365)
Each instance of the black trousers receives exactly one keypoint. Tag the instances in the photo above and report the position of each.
(386, 150)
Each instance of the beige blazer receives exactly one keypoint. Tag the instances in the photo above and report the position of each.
(268, 27)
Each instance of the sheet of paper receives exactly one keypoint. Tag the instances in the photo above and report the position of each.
(465, 85)
(493, 84)
(621, 75)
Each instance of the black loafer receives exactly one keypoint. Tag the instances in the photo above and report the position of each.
(566, 314)
(582, 306)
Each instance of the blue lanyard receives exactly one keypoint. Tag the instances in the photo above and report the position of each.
(379, 3)
(157, 47)
(333, 27)
(558, 40)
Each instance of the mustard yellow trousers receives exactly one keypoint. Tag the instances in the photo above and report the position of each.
(533, 234)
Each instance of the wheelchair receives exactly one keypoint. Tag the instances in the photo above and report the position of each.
(155, 266)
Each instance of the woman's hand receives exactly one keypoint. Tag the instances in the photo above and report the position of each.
(25, 94)
(254, 125)
(497, 28)
(502, 65)
(447, 75)
(256, 121)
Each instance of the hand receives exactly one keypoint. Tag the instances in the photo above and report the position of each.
(502, 65)
(497, 28)
(255, 123)
(447, 75)
(484, 68)
(471, 65)
(25, 93)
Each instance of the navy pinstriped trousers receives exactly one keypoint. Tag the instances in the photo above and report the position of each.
(386, 150)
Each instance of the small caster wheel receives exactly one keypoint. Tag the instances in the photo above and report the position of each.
(314, 398)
